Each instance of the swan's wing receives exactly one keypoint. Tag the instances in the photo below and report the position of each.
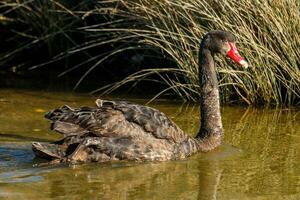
(152, 121)
(115, 119)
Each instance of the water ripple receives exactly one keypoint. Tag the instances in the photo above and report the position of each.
(16, 164)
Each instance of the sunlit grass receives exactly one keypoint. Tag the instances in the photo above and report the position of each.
(267, 34)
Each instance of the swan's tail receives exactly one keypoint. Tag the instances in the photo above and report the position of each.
(46, 150)
(65, 120)
(69, 121)
(79, 121)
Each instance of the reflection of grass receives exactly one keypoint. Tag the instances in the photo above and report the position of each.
(22, 115)
(267, 33)
(270, 141)
(15, 137)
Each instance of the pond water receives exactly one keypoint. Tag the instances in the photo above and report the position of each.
(259, 158)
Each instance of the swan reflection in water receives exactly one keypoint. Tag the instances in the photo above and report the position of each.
(189, 179)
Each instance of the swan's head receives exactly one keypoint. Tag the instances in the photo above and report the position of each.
(223, 42)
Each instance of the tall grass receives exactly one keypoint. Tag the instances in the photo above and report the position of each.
(268, 36)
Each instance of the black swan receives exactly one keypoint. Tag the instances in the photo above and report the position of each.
(119, 130)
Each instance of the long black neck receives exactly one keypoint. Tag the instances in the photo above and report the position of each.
(211, 123)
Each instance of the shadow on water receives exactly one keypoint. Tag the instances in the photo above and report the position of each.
(258, 159)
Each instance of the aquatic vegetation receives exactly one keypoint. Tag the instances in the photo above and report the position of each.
(267, 32)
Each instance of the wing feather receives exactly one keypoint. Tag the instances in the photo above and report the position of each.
(116, 119)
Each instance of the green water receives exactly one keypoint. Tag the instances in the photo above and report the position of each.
(259, 158)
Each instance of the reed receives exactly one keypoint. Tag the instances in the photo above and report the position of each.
(267, 33)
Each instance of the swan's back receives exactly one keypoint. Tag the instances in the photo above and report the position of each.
(115, 130)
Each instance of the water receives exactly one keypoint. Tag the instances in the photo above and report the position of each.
(259, 158)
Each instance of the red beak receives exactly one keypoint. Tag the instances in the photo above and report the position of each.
(235, 56)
